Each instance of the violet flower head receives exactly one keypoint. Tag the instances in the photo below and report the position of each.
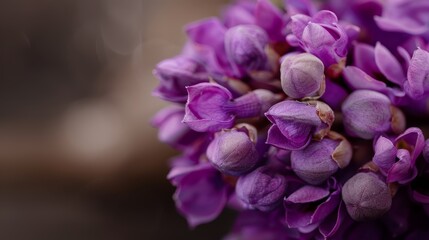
(233, 151)
(211, 107)
(201, 193)
(319, 160)
(175, 74)
(321, 35)
(366, 196)
(302, 76)
(367, 113)
(261, 189)
(296, 123)
(308, 206)
(289, 113)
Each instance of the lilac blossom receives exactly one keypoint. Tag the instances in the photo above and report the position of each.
(211, 107)
(296, 123)
(308, 206)
(175, 74)
(377, 69)
(396, 159)
(321, 35)
(201, 193)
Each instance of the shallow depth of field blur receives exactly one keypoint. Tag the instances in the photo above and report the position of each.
(78, 158)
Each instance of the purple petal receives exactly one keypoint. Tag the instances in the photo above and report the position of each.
(402, 171)
(300, 6)
(358, 79)
(417, 83)
(326, 17)
(385, 154)
(239, 13)
(328, 206)
(209, 32)
(334, 95)
(205, 108)
(200, 195)
(413, 140)
(307, 194)
(298, 24)
(294, 124)
(388, 64)
(277, 139)
(364, 58)
(330, 226)
(175, 74)
(270, 19)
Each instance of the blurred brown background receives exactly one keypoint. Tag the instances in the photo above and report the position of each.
(78, 158)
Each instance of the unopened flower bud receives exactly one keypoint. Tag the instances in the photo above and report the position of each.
(367, 113)
(262, 189)
(296, 123)
(211, 107)
(245, 46)
(366, 196)
(319, 160)
(233, 152)
(175, 74)
(302, 76)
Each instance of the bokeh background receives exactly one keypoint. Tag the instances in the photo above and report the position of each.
(78, 157)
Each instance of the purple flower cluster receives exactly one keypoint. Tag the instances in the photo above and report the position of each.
(305, 117)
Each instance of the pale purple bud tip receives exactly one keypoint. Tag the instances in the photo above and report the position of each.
(233, 152)
(319, 160)
(366, 196)
(367, 113)
(245, 46)
(261, 189)
(302, 76)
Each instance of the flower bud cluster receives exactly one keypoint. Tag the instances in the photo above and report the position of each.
(308, 125)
